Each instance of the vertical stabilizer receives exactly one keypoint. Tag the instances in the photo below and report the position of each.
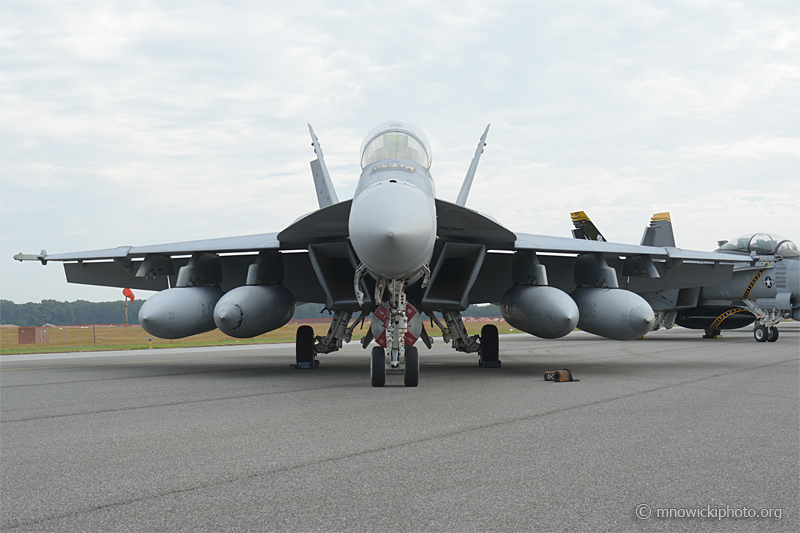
(465, 187)
(659, 232)
(585, 228)
(326, 194)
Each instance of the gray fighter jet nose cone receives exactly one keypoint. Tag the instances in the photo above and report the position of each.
(393, 229)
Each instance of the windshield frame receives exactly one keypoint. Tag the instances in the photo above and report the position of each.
(761, 243)
(419, 154)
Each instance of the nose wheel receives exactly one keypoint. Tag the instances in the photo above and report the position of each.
(411, 371)
(377, 367)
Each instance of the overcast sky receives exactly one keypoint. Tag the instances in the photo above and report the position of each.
(131, 123)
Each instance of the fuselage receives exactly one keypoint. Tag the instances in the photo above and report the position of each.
(773, 280)
(770, 286)
(392, 221)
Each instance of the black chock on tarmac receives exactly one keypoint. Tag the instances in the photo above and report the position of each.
(559, 375)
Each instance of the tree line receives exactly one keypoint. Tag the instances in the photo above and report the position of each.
(84, 312)
(68, 313)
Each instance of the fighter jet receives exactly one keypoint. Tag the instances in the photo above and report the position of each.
(393, 252)
(764, 291)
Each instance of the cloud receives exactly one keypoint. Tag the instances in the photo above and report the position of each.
(146, 122)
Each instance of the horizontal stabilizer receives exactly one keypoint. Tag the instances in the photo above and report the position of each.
(465, 187)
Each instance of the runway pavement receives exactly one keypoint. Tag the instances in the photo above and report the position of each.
(215, 439)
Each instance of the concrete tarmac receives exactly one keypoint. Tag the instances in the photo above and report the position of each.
(234, 439)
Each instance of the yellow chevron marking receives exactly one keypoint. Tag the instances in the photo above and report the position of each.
(661, 216)
(746, 293)
(723, 316)
(578, 215)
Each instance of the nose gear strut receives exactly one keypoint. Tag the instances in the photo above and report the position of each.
(382, 283)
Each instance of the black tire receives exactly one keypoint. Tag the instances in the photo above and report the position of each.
(377, 367)
(304, 346)
(490, 343)
(760, 334)
(411, 373)
(772, 334)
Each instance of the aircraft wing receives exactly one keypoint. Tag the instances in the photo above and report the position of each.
(244, 243)
(667, 267)
(546, 243)
(155, 267)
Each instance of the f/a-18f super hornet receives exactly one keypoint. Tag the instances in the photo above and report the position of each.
(394, 251)
(764, 290)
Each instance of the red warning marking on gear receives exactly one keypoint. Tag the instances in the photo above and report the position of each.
(382, 314)
(410, 339)
(381, 339)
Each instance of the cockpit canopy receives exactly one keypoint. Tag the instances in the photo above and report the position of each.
(762, 244)
(396, 140)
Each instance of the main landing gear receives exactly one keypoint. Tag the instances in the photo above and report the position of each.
(486, 345)
(765, 334)
(490, 347)
(307, 346)
(305, 355)
(765, 329)
(396, 326)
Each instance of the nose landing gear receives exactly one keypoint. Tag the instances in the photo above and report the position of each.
(396, 326)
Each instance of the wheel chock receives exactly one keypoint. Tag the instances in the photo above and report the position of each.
(488, 364)
(559, 375)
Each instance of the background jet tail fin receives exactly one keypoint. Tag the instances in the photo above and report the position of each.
(659, 232)
(326, 194)
(465, 187)
(585, 228)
